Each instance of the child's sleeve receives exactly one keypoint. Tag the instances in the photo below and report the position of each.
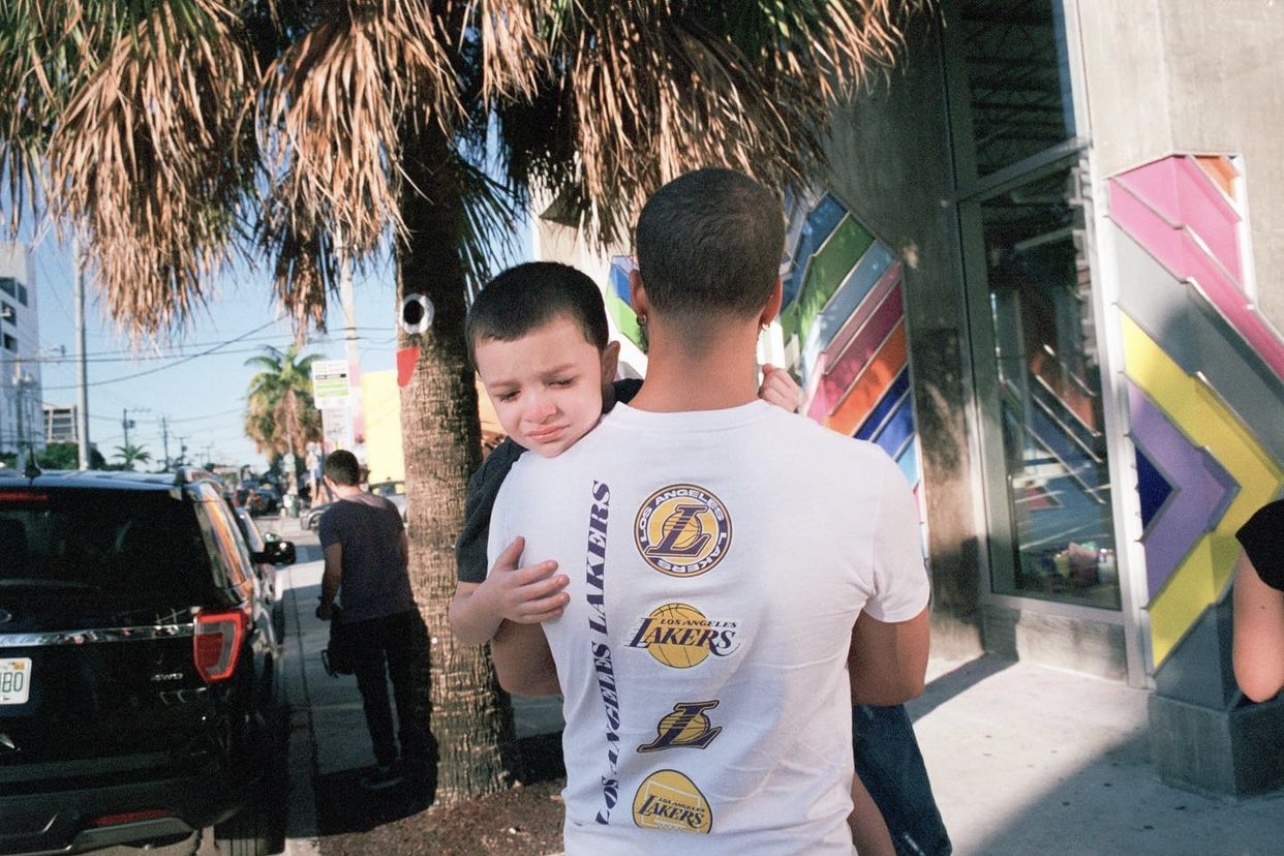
(471, 564)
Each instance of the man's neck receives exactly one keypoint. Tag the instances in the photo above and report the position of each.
(723, 373)
(345, 491)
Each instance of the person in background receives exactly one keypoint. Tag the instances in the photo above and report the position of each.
(1258, 605)
(366, 553)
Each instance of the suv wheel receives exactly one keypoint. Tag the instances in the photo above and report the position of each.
(258, 829)
(246, 833)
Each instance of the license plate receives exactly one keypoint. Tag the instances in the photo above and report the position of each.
(15, 680)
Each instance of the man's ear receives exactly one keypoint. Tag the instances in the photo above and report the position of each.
(610, 362)
(772, 309)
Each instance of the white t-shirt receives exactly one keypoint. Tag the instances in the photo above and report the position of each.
(718, 561)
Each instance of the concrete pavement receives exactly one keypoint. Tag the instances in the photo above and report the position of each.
(1024, 760)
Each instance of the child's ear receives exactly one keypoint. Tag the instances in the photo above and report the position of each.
(610, 362)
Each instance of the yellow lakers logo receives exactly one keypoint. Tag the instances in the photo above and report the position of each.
(669, 800)
(682, 530)
(680, 636)
(686, 727)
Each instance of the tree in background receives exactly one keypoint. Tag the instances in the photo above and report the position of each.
(167, 130)
(61, 456)
(280, 416)
(130, 454)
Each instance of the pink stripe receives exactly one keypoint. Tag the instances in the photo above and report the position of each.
(1177, 250)
(1210, 216)
(868, 306)
(848, 365)
(1182, 194)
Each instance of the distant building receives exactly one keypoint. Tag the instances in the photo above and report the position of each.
(21, 424)
(61, 421)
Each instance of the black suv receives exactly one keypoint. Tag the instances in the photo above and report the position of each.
(140, 694)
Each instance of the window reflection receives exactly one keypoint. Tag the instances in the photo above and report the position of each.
(1050, 394)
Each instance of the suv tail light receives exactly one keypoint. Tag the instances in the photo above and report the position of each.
(217, 643)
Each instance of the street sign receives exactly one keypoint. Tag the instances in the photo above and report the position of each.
(330, 386)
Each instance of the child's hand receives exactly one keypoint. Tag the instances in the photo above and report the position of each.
(778, 388)
(526, 595)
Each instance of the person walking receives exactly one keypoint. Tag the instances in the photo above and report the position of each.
(366, 554)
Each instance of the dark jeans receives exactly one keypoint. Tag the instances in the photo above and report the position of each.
(891, 767)
(394, 648)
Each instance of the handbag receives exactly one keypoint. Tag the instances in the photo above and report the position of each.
(339, 655)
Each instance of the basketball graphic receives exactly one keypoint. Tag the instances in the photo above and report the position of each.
(682, 530)
(673, 654)
(669, 800)
(681, 636)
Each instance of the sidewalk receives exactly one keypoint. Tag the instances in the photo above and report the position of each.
(1024, 760)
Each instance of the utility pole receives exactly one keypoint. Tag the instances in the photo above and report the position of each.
(126, 423)
(356, 407)
(165, 439)
(22, 380)
(82, 382)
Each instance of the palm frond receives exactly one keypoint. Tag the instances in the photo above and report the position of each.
(156, 153)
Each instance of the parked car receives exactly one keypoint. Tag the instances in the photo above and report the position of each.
(268, 552)
(395, 491)
(140, 691)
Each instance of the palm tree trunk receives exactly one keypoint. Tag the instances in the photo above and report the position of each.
(470, 717)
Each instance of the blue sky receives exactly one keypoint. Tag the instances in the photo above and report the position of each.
(194, 386)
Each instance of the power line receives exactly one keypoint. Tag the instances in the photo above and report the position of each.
(121, 356)
(174, 364)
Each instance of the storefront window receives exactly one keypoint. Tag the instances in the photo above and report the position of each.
(1049, 394)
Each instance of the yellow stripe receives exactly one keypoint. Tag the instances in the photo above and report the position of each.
(1204, 419)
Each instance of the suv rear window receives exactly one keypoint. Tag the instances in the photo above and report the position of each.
(141, 544)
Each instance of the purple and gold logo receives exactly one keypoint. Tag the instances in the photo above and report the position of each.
(669, 800)
(680, 636)
(682, 530)
(687, 727)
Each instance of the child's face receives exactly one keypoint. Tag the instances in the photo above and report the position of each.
(546, 386)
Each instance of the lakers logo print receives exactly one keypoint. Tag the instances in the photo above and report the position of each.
(669, 800)
(686, 727)
(682, 530)
(680, 636)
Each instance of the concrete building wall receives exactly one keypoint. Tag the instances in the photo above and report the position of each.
(1189, 77)
(891, 168)
(20, 382)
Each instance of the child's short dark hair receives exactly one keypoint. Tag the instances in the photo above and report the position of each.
(342, 467)
(527, 296)
(710, 240)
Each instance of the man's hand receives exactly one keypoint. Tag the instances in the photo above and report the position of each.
(325, 611)
(526, 595)
(778, 388)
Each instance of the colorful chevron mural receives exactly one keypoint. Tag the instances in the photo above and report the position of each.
(1205, 380)
(843, 319)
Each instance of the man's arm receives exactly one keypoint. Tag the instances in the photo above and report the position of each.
(1258, 633)
(887, 662)
(523, 660)
(330, 579)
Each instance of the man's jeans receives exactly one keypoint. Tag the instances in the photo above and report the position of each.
(890, 765)
(393, 648)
